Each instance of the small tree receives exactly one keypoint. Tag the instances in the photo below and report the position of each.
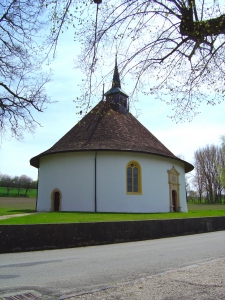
(16, 183)
(26, 183)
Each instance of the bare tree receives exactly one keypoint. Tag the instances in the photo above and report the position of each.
(221, 164)
(207, 160)
(198, 180)
(174, 49)
(21, 80)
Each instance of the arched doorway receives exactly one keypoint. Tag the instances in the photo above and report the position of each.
(56, 201)
(174, 190)
(56, 198)
(174, 200)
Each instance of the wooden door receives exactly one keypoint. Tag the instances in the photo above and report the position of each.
(56, 201)
(174, 200)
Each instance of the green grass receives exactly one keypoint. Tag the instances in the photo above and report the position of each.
(79, 217)
(7, 212)
(14, 193)
(10, 206)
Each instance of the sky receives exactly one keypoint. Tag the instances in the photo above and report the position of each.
(183, 139)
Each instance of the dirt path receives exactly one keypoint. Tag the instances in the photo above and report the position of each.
(17, 204)
(15, 215)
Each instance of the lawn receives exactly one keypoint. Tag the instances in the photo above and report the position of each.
(28, 205)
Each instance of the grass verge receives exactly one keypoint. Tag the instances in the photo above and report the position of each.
(79, 217)
(10, 206)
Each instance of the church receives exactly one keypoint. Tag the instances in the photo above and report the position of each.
(109, 162)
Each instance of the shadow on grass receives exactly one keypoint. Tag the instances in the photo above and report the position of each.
(21, 211)
(106, 213)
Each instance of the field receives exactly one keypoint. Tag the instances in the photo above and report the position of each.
(14, 193)
(10, 206)
(13, 205)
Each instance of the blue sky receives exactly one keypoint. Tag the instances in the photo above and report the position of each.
(182, 138)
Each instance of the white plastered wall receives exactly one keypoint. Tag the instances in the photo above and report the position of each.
(74, 175)
(111, 183)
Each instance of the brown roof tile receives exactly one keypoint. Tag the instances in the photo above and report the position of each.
(104, 128)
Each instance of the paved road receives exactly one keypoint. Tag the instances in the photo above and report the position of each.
(62, 272)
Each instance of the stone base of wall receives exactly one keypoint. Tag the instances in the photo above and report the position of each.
(17, 238)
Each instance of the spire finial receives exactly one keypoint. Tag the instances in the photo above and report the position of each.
(103, 93)
(116, 76)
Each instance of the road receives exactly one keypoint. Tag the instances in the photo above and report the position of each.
(63, 272)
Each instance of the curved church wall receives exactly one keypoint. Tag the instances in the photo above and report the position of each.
(111, 185)
(73, 174)
(70, 173)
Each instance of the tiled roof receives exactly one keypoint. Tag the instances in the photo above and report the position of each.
(104, 128)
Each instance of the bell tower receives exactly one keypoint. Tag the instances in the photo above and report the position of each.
(116, 95)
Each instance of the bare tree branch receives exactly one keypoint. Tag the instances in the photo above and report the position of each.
(171, 48)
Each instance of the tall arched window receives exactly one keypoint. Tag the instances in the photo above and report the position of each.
(133, 174)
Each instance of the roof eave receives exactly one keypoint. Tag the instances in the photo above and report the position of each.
(115, 91)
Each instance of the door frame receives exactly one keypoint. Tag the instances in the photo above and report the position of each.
(174, 185)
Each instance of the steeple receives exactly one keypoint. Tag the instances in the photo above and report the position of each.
(116, 95)
(116, 77)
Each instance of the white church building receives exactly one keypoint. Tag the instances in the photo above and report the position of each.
(109, 162)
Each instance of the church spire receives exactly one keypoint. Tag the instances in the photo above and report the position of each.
(116, 76)
(116, 95)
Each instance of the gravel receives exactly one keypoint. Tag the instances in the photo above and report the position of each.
(201, 281)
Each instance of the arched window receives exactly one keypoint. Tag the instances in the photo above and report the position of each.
(133, 174)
